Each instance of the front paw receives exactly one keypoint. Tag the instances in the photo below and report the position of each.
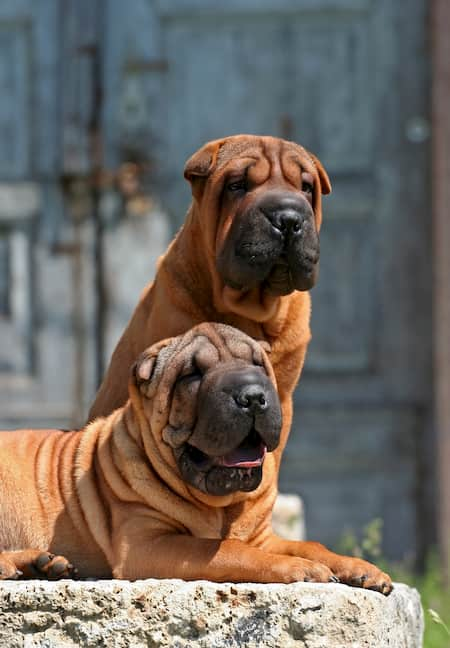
(52, 567)
(360, 573)
(293, 569)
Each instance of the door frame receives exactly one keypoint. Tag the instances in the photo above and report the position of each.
(440, 19)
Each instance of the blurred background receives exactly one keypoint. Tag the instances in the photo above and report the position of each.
(103, 101)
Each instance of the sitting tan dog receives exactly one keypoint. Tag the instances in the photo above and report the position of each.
(246, 256)
(179, 483)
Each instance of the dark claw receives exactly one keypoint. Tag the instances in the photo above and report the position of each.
(334, 579)
(43, 560)
(358, 581)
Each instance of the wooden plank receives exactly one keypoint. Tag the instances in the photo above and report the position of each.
(347, 297)
(352, 465)
(46, 132)
(441, 241)
(14, 9)
(81, 69)
(19, 201)
(134, 109)
(15, 125)
(194, 8)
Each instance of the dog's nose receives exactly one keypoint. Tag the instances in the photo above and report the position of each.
(252, 397)
(285, 214)
(288, 221)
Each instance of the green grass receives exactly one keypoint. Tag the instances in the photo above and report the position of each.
(435, 596)
(435, 600)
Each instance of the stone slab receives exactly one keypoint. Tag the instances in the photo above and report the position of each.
(179, 614)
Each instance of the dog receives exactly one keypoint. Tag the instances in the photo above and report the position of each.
(246, 256)
(178, 483)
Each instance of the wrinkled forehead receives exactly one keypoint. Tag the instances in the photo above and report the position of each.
(238, 345)
(263, 153)
(206, 346)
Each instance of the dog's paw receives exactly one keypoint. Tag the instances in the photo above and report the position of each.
(360, 573)
(292, 569)
(316, 572)
(52, 567)
(8, 570)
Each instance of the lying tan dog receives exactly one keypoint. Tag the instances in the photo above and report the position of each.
(179, 483)
(246, 256)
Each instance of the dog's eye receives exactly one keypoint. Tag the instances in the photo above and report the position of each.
(307, 187)
(190, 373)
(237, 185)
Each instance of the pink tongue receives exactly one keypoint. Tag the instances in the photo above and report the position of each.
(244, 457)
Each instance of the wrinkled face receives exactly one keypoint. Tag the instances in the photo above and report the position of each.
(268, 192)
(224, 413)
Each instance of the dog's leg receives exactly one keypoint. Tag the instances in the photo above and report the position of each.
(178, 556)
(351, 571)
(33, 563)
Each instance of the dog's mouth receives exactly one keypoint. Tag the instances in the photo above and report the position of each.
(239, 469)
(249, 454)
(279, 281)
(295, 273)
(291, 270)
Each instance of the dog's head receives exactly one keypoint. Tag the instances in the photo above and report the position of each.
(260, 200)
(210, 399)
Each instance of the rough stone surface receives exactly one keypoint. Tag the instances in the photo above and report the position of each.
(203, 614)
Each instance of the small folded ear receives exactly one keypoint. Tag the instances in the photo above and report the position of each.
(325, 184)
(146, 371)
(143, 370)
(200, 165)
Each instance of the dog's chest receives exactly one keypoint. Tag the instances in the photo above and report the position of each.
(237, 526)
(222, 524)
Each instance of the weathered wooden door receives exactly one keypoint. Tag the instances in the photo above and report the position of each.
(346, 78)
